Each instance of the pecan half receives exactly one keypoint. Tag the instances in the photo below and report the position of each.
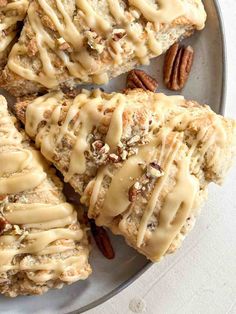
(177, 66)
(102, 240)
(140, 79)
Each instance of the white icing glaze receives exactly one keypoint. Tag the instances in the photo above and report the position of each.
(80, 63)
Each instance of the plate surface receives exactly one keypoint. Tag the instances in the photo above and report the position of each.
(206, 85)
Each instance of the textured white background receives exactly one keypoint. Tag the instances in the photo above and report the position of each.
(202, 278)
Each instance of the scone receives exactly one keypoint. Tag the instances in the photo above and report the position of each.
(12, 12)
(88, 41)
(42, 244)
(141, 161)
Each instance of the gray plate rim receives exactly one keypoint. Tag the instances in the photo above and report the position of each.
(221, 111)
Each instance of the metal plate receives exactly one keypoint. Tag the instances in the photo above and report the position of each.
(206, 85)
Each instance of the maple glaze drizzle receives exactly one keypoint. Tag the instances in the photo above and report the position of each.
(166, 146)
(81, 63)
(22, 170)
(9, 20)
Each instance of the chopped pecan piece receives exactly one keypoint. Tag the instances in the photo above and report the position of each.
(3, 3)
(94, 41)
(177, 66)
(97, 145)
(46, 20)
(102, 240)
(118, 34)
(32, 47)
(70, 91)
(140, 79)
(65, 46)
(124, 154)
(134, 190)
(154, 170)
(133, 140)
(100, 148)
(114, 158)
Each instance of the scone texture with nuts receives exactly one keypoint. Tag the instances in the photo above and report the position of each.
(12, 14)
(87, 41)
(141, 161)
(42, 244)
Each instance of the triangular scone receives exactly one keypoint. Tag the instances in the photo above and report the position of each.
(88, 41)
(141, 161)
(42, 244)
(11, 13)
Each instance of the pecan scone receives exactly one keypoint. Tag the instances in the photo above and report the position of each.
(89, 41)
(42, 244)
(141, 161)
(12, 12)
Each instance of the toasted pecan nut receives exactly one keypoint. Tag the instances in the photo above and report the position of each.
(117, 36)
(140, 79)
(3, 3)
(134, 191)
(65, 46)
(46, 20)
(32, 47)
(177, 66)
(71, 195)
(3, 223)
(154, 170)
(114, 158)
(2, 197)
(102, 240)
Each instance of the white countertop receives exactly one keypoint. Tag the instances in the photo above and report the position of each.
(202, 278)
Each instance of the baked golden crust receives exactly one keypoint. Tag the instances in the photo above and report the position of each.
(91, 42)
(42, 244)
(11, 13)
(141, 161)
